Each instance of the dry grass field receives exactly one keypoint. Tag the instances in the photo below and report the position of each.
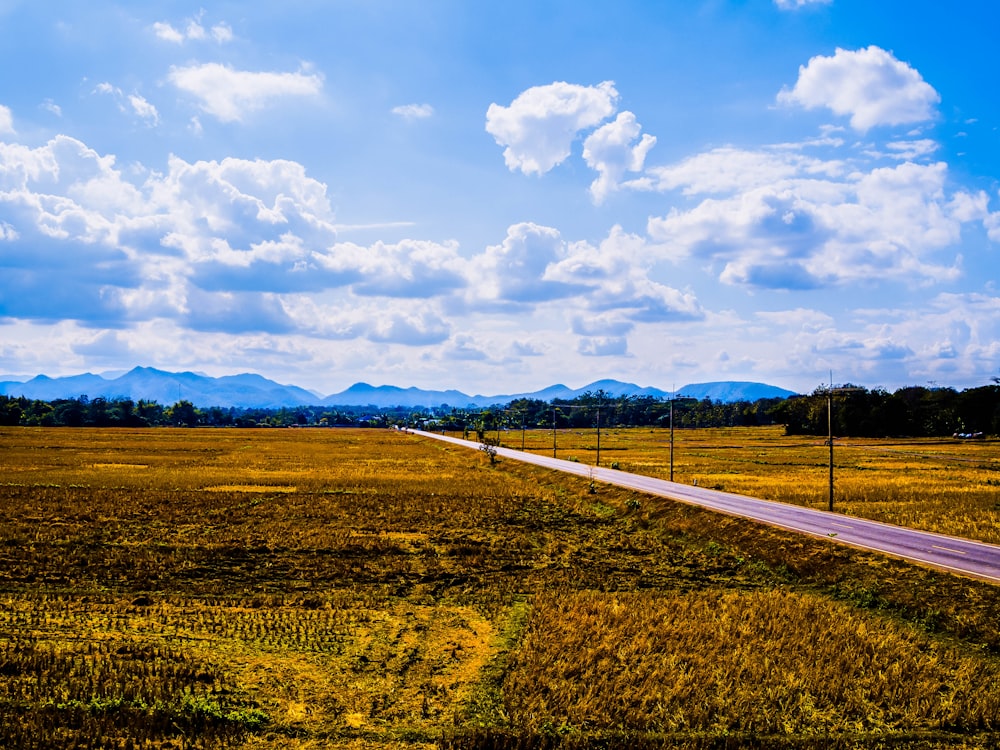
(366, 589)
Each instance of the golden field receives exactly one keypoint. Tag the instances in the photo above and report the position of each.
(943, 485)
(348, 588)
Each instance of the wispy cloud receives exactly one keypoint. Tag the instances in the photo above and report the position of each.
(796, 4)
(230, 95)
(134, 103)
(414, 111)
(193, 30)
(6, 121)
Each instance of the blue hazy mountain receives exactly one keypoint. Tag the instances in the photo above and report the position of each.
(728, 391)
(254, 391)
(146, 383)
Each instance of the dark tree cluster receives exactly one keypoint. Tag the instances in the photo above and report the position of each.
(99, 412)
(585, 411)
(913, 411)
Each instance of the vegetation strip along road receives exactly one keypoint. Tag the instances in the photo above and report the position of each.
(962, 556)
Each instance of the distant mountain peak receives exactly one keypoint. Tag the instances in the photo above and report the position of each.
(251, 390)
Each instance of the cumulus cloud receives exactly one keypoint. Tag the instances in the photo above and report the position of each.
(464, 348)
(134, 250)
(540, 125)
(798, 223)
(106, 345)
(513, 272)
(608, 325)
(410, 328)
(870, 85)
(236, 313)
(612, 151)
(410, 269)
(233, 247)
(414, 111)
(230, 95)
(603, 346)
(992, 224)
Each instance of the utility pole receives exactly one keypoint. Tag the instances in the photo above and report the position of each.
(672, 436)
(597, 462)
(829, 428)
(673, 397)
(829, 433)
(553, 431)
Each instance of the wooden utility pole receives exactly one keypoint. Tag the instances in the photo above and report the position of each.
(829, 428)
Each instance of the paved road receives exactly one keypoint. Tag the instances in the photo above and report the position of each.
(962, 556)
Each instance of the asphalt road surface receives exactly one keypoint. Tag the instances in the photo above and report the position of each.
(962, 556)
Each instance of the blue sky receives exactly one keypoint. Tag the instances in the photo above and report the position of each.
(496, 197)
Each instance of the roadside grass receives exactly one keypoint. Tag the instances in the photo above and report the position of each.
(350, 588)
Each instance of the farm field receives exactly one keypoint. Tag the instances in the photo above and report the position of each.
(366, 588)
(943, 485)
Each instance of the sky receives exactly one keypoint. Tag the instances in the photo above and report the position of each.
(497, 197)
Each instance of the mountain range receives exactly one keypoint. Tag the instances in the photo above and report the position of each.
(254, 391)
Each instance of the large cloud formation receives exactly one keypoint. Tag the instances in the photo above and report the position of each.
(539, 128)
(540, 125)
(870, 85)
(241, 246)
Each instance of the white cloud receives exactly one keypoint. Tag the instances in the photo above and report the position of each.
(729, 169)
(811, 226)
(7, 232)
(603, 346)
(612, 151)
(540, 125)
(229, 95)
(167, 33)
(6, 121)
(992, 224)
(130, 104)
(144, 109)
(222, 33)
(912, 150)
(50, 106)
(513, 272)
(414, 111)
(796, 4)
(145, 247)
(193, 30)
(412, 328)
(606, 324)
(870, 85)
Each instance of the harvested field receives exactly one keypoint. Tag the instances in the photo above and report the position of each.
(349, 588)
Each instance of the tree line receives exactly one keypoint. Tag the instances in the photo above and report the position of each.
(913, 411)
(101, 412)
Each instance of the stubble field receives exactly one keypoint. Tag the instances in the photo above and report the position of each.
(349, 588)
